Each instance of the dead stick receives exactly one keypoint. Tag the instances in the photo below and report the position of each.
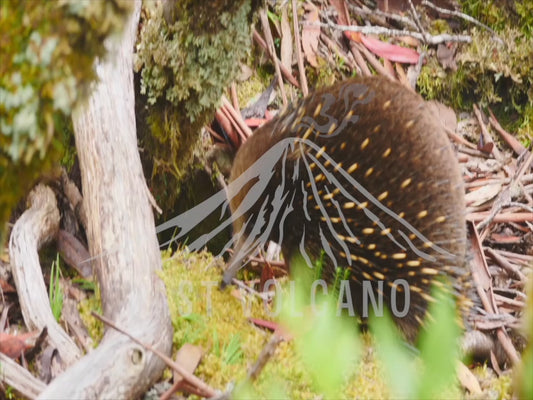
(335, 48)
(272, 50)
(511, 141)
(299, 57)
(506, 265)
(459, 139)
(507, 217)
(488, 138)
(483, 284)
(187, 376)
(233, 120)
(461, 15)
(266, 354)
(286, 73)
(234, 97)
(374, 61)
(236, 116)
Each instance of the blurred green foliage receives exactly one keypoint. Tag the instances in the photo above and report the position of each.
(188, 54)
(524, 372)
(327, 343)
(48, 50)
(433, 373)
(501, 14)
(330, 348)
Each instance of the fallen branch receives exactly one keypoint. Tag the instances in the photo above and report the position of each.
(38, 225)
(19, 378)
(121, 237)
(460, 15)
(379, 30)
(299, 55)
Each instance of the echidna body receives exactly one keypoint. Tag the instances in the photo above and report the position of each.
(363, 173)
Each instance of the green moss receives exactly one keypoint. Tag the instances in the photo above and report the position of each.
(207, 317)
(493, 386)
(250, 90)
(489, 12)
(322, 76)
(501, 14)
(218, 322)
(439, 26)
(525, 129)
(95, 327)
(525, 11)
(499, 76)
(367, 381)
(193, 58)
(187, 278)
(490, 74)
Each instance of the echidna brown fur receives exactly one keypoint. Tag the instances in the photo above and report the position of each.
(369, 178)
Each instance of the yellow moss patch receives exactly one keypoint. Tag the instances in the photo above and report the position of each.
(94, 326)
(213, 320)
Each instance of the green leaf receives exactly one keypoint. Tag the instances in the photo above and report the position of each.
(232, 350)
(327, 343)
(55, 292)
(396, 358)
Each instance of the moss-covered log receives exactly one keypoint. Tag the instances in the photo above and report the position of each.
(188, 54)
(48, 50)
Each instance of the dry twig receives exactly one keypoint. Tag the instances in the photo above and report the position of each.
(206, 390)
(395, 17)
(272, 50)
(461, 15)
(379, 30)
(299, 56)
(286, 73)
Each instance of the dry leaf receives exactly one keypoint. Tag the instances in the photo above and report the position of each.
(6, 287)
(13, 346)
(74, 253)
(409, 41)
(286, 39)
(278, 329)
(353, 36)
(254, 122)
(262, 323)
(342, 12)
(188, 357)
(310, 34)
(390, 51)
(467, 379)
(237, 293)
(483, 194)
